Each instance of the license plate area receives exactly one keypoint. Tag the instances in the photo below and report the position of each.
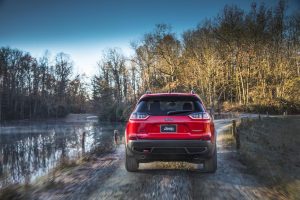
(168, 128)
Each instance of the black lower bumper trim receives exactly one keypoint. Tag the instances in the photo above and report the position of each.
(170, 150)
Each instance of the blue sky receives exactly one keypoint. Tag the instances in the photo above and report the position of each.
(84, 28)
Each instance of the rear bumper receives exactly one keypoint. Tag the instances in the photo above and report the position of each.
(170, 150)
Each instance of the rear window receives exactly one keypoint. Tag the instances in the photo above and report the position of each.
(169, 106)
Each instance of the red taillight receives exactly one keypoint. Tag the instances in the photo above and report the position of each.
(206, 137)
(199, 115)
(132, 137)
(139, 116)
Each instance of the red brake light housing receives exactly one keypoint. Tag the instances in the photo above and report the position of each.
(139, 116)
(199, 115)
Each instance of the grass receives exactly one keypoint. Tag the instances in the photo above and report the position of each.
(270, 148)
(52, 185)
(66, 164)
(275, 106)
(227, 138)
(14, 192)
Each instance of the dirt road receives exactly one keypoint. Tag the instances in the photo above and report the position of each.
(184, 181)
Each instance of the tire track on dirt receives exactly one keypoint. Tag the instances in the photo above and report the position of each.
(158, 180)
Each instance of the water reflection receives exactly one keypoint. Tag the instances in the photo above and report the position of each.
(30, 151)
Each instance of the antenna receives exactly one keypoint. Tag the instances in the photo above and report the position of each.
(148, 92)
(192, 92)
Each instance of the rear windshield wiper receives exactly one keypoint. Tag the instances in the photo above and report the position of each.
(178, 112)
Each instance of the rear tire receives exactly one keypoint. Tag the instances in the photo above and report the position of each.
(131, 164)
(210, 165)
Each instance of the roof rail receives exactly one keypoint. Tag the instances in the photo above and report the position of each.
(148, 92)
(192, 92)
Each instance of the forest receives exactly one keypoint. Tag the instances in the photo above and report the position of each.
(239, 60)
(33, 88)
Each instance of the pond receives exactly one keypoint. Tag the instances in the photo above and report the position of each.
(31, 150)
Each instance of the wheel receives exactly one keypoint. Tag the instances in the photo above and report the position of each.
(131, 164)
(210, 165)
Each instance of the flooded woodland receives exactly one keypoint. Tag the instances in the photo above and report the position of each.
(29, 150)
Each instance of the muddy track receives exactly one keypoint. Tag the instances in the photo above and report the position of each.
(185, 181)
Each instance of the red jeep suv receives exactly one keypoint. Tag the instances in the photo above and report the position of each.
(170, 127)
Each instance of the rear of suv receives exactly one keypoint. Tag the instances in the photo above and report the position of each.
(170, 127)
